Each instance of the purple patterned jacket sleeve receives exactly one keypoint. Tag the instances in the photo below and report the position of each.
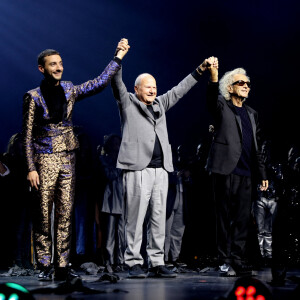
(96, 85)
(39, 138)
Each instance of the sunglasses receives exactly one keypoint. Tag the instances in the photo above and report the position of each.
(242, 83)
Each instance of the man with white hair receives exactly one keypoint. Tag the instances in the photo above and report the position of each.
(145, 156)
(234, 157)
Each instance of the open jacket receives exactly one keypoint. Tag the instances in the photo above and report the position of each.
(226, 146)
(139, 128)
(40, 137)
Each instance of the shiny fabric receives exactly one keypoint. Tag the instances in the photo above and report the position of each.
(49, 151)
(57, 182)
(265, 211)
(40, 137)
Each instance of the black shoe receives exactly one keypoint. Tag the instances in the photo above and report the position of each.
(243, 269)
(65, 273)
(179, 264)
(46, 273)
(136, 272)
(119, 268)
(161, 271)
(169, 264)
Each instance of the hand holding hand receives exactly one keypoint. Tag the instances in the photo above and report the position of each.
(211, 64)
(122, 48)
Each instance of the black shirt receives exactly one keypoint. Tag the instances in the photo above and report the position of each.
(55, 99)
(243, 166)
(157, 157)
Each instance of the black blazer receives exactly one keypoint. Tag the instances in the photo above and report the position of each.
(226, 146)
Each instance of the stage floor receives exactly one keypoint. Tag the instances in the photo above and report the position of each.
(190, 285)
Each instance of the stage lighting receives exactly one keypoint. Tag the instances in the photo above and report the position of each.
(14, 291)
(248, 288)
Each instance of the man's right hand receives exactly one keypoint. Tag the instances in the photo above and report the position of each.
(34, 179)
(212, 65)
(122, 48)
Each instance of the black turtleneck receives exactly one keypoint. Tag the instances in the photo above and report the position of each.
(55, 99)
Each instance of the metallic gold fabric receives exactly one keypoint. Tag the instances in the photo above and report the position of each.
(57, 181)
(41, 137)
(48, 150)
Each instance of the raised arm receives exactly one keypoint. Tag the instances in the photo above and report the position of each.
(98, 84)
(170, 98)
(213, 87)
(118, 87)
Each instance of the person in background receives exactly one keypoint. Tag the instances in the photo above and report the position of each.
(113, 205)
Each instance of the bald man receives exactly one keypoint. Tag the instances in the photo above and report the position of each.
(145, 156)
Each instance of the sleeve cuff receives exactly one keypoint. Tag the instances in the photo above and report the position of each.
(196, 75)
(117, 60)
(213, 83)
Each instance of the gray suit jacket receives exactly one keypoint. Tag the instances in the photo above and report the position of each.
(139, 127)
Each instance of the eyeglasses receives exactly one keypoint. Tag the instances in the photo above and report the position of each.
(242, 83)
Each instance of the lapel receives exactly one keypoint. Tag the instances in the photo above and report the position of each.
(143, 108)
(252, 120)
(253, 124)
(157, 108)
(43, 103)
(69, 105)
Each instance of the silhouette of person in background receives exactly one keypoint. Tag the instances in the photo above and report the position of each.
(286, 224)
(265, 206)
(180, 182)
(113, 205)
(84, 208)
(19, 206)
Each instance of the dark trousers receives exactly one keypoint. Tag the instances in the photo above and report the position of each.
(114, 239)
(232, 194)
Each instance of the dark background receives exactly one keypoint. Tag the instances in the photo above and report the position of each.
(168, 39)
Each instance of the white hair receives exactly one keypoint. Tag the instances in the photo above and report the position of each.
(228, 79)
